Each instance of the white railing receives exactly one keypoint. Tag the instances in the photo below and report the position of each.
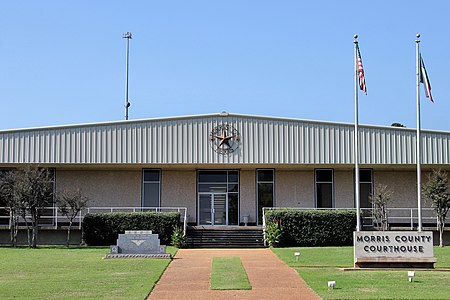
(397, 216)
(403, 217)
(51, 217)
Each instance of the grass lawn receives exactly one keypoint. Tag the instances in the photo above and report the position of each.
(319, 265)
(76, 273)
(228, 274)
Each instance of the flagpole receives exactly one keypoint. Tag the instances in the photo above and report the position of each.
(128, 36)
(356, 148)
(418, 148)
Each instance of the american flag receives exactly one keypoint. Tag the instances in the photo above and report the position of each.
(424, 79)
(360, 71)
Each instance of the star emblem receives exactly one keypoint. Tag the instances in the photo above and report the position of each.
(225, 139)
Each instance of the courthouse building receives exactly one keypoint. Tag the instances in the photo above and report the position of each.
(225, 166)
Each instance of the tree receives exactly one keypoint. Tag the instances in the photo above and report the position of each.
(34, 188)
(395, 124)
(381, 197)
(9, 200)
(70, 203)
(26, 192)
(436, 191)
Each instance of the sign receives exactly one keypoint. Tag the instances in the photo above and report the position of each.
(393, 247)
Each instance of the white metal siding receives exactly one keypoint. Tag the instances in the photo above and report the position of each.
(186, 141)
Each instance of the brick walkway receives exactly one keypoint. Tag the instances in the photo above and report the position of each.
(187, 277)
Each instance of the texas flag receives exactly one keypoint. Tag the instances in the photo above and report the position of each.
(423, 77)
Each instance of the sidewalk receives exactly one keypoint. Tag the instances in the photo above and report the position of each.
(187, 277)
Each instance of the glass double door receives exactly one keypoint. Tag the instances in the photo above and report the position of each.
(213, 208)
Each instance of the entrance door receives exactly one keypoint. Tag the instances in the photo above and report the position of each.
(213, 209)
(218, 197)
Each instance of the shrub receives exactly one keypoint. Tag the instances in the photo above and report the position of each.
(314, 227)
(178, 238)
(103, 229)
(272, 233)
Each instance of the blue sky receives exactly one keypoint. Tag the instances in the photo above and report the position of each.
(63, 62)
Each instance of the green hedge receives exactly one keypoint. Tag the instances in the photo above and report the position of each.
(103, 229)
(314, 227)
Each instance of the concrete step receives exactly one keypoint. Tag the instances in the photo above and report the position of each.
(225, 238)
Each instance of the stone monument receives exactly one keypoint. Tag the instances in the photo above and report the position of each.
(138, 244)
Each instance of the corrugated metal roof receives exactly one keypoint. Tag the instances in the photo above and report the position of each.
(186, 140)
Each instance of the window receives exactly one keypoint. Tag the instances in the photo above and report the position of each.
(265, 190)
(365, 187)
(52, 175)
(46, 213)
(324, 189)
(4, 212)
(151, 188)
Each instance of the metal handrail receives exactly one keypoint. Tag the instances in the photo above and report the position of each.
(409, 215)
(53, 218)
